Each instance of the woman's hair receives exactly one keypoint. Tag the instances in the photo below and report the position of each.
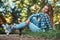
(50, 13)
(50, 9)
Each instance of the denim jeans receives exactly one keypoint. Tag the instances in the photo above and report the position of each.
(31, 26)
(34, 21)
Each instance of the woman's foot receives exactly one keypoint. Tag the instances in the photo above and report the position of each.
(6, 28)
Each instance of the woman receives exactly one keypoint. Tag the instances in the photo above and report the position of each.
(33, 24)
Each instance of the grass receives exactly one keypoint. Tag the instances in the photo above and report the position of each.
(53, 34)
(47, 34)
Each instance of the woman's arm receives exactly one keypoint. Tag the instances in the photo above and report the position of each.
(48, 21)
(34, 15)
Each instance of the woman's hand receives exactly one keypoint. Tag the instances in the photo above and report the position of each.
(27, 21)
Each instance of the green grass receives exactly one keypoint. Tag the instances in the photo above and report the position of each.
(53, 34)
(47, 34)
(2, 31)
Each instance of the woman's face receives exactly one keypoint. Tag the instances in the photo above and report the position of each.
(45, 9)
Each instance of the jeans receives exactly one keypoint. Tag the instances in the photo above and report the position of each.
(31, 26)
(34, 21)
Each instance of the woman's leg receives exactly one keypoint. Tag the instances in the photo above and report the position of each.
(9, 28)
(34, 21)
(18, 26)
(31, 26)
(34, 28)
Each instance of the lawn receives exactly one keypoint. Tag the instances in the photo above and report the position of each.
(47, 34)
